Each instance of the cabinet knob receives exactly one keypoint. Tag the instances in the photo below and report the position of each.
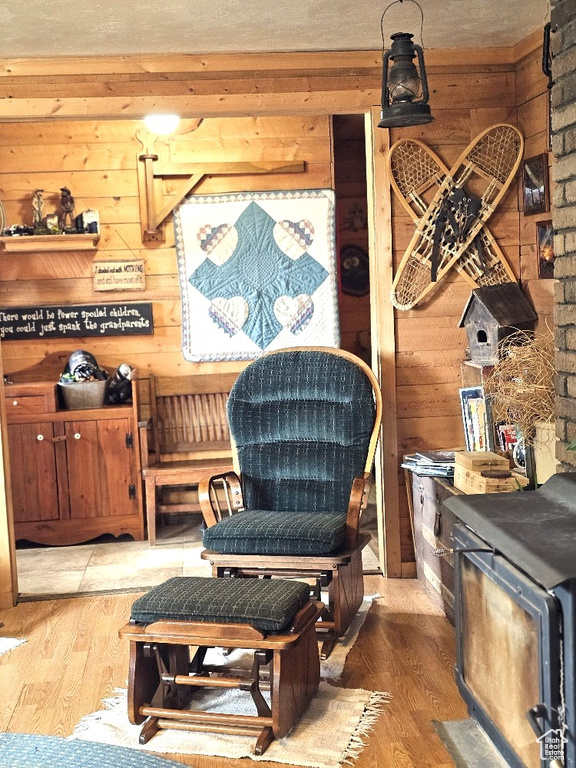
(39, 437)
(14, 402)
(77, 436)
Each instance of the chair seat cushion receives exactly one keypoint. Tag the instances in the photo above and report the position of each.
(267, 604)
(263, 532)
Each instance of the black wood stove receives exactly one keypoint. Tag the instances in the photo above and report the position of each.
(515, 595)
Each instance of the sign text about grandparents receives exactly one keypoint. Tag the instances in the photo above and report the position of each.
(79, 320)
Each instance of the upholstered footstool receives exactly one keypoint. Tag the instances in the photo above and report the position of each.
(172, 627)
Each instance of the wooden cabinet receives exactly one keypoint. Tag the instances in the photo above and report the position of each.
(433, 525)
(75, 474)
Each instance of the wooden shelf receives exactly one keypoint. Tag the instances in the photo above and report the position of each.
(31, 243)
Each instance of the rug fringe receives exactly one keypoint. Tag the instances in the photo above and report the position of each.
(108, 726)
(372, 711)
(110, 704)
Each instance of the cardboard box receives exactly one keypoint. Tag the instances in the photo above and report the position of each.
(480, 460)
(471, 481)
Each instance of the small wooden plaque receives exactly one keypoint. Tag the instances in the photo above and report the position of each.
(116, 275)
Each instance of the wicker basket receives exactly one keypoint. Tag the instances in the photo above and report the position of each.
(84, 394)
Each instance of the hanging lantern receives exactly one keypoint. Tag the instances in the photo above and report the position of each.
(404, 85)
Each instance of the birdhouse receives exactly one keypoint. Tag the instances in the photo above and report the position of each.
(491, 314)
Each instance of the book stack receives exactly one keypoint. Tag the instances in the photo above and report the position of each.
(477, 419)
(431, 463)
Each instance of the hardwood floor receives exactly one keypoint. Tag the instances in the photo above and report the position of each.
(73, 659)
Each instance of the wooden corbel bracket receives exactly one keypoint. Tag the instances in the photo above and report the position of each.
(150, 169)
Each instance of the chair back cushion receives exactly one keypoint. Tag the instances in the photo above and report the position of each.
(301, 421)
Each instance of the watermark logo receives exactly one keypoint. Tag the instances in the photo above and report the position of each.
(552, 745)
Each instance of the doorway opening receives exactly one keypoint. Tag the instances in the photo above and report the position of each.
(348, 137)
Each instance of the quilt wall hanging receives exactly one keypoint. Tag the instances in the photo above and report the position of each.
(258, 271)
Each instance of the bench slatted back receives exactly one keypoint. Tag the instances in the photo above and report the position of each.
(189, 415)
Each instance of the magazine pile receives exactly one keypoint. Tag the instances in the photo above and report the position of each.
(430, 463)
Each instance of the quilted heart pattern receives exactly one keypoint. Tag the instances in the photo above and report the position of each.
(294, 313)
(229, 314)
(257, 270)
(219, 242)
(294, 237)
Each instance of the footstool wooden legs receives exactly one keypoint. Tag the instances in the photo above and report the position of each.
(175, 623)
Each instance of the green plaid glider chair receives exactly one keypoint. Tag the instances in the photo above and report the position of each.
(304, 425)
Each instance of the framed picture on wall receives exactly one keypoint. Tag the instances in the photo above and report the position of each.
(535, 185)
(545, 249)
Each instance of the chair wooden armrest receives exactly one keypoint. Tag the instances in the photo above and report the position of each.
(305, 615)
(358, 502)
(210, 504)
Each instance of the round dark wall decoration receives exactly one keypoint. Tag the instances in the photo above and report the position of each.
(354, 272)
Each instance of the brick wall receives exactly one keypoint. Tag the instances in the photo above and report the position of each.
(563, 105)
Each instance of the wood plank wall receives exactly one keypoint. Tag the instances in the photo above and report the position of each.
(97, 161)
(73, 121)
(430, 347)
(210, 85)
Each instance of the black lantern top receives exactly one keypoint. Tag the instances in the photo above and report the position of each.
(404, 86)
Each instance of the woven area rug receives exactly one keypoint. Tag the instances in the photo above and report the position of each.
(26, 750)
(332, 731)
(347, 714)
(333, 666)
(330, 668)
(8, 644)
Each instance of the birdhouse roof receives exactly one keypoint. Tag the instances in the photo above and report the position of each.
(505, 302)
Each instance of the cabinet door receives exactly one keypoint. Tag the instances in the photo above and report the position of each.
(33, 472)
(117, 469)
(100, 468)
(82, 470)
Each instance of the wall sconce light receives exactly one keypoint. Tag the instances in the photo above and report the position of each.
(162, 124)
(404, 86)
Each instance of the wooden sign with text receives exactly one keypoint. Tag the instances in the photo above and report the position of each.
(75, 321)
(116, 275)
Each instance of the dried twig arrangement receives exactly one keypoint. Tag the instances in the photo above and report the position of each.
(521, 385)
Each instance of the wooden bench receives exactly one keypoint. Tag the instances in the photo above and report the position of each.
(185, 440)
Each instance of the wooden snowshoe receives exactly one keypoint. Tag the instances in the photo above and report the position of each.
(450, 209)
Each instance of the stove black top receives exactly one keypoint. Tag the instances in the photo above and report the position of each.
(535, 530)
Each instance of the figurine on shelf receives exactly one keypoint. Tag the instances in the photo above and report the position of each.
(67, 205)
(37, 206)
